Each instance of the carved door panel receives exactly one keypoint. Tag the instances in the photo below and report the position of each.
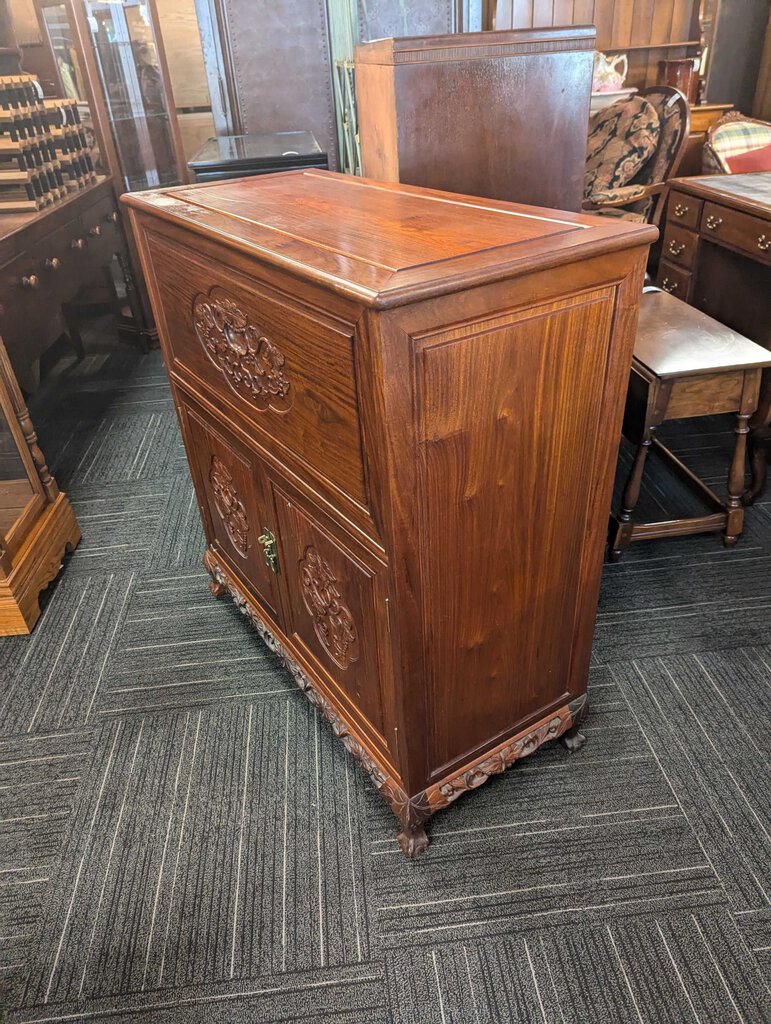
(231, 491)
(335, 605)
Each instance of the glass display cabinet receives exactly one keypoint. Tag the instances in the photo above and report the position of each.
(110, 56)
(37, 524)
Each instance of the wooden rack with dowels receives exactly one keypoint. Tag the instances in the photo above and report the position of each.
(44, 154)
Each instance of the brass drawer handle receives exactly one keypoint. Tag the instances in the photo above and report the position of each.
(78, 243)
(675, 249)
(681, 209)
(669, 286)
(30, 281)
(268, 541)
(112, 217)
(53, 263)
(714, 222)
(95, 231)
(764, 243)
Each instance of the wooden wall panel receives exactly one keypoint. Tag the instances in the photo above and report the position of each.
(647, 30)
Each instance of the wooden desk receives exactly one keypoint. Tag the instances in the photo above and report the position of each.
(716, 255)
(402, 457)
(45, 260)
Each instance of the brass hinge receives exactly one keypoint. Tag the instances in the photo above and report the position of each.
(270, 549)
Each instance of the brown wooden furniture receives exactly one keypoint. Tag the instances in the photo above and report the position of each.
(716, 255)
(45, 260)
(37, 524)
(402, 458)
(703, 117)
(685, 365)
(498, 114)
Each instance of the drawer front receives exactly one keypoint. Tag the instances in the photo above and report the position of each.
(751, 235)
(287, 369)
(335, 601)
(679, 245)
(231, 490)
(684, 210)
(100, 228)
(674, 280)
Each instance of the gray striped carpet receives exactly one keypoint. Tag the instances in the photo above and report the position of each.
(181, 839)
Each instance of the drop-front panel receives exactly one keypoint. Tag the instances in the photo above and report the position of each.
(402, 409)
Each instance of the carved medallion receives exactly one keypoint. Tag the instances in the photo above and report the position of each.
(332, 620)
(229, 506)
(252, 365)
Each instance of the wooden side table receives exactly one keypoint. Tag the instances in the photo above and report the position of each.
(686, 364)
(716, 255)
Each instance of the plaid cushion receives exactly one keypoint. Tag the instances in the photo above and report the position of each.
(737, 137)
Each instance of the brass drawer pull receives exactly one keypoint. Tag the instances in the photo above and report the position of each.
(680, 210)
(268, 541)
(112, 217)
(669, 286)
(675, 249)
(53, 263)
(714, 222)
(95, 231)
(30, 281)
(764, 243)
(78, 243)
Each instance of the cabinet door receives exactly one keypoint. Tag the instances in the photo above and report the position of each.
(335, 608)
(231, 491)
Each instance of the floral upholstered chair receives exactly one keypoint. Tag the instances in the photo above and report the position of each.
(634, 147)
(737, 144)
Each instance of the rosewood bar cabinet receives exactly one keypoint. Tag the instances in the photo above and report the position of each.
(402, 410)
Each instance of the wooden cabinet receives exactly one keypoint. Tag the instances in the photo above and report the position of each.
(499, 114)
(402, 409)
(37, 524)
(46, 258)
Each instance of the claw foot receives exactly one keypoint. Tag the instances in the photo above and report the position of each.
(573, 740)
(413, 842)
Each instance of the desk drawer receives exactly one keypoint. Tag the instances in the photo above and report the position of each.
(751, 235)
(674, 280)
(285, 368)
(680, 245)
(684, 210)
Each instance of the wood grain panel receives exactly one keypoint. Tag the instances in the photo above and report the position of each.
(645, 28)
(481, 432)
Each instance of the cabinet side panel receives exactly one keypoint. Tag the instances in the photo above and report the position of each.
(377, 121)
(508, 414)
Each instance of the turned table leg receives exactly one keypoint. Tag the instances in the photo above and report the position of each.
(622, 533)
(736, 482)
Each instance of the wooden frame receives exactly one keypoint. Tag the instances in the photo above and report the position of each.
(32, 550)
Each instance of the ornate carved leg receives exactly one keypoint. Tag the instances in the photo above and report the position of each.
(412, 838)
(621, 536)
(574, 739)
(216, 586)
(736, 483)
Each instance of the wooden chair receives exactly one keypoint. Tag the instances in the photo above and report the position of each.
(686, 364)
(737, 143)
(641, 198)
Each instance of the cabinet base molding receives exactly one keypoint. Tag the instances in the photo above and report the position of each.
(35, 566)
(412, 812)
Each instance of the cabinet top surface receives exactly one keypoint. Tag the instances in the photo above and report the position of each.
(468, 45)
(384, 244)
(750, 191)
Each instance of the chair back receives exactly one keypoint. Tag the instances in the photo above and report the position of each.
(732, 135)
(674, 129)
